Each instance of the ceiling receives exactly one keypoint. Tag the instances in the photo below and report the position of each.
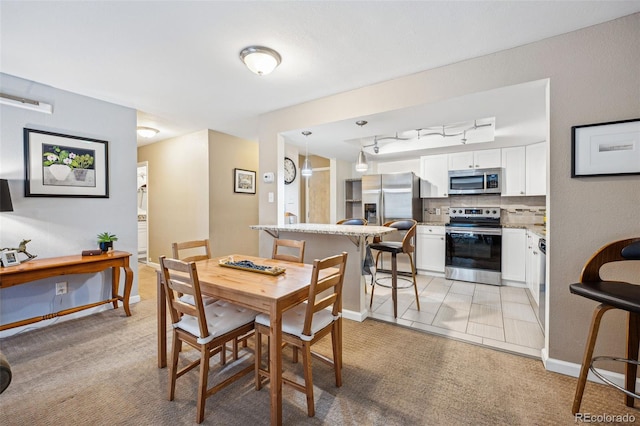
(177, 63)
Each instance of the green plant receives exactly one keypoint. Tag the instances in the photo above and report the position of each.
(105, 237)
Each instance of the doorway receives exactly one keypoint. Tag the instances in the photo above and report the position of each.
(143, 203)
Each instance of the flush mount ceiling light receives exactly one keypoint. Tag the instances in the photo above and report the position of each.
(147, 132)
(259, 59)
(361, 164)
(306, 169)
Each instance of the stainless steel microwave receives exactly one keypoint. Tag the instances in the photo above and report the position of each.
(475, 181)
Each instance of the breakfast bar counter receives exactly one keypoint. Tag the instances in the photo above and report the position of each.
(324, 240)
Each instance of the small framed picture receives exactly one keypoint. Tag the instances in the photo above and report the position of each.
(10, 258)
(606, 149)
(244, 181)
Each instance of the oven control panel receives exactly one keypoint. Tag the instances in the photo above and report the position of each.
(475, 212)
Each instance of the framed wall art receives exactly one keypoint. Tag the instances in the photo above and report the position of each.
(244, 181)
(10, 258)
(58, 165)
(606, 149)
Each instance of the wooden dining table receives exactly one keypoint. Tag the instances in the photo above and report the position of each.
(271, 294)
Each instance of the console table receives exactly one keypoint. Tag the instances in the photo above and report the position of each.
(66, 265)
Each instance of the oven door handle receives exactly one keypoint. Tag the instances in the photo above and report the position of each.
(474, 230)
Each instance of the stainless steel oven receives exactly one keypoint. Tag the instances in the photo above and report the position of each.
(474, 245)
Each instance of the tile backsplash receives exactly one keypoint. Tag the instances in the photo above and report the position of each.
(515, 210)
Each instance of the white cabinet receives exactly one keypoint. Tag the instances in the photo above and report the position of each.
(514, 176)
(525, 170)
(435, 176)
(487, 158)
(430, 248)
(536, 166)
(514, 254)
(533, 266)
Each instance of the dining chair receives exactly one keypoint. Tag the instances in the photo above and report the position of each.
(406, 246)
(611, 295)
(288, 250)
(308, 322)
(205, 328)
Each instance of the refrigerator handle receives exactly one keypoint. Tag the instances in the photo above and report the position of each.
(381, 217)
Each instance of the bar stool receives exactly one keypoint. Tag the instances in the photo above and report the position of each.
(611, 295)
(397, 247)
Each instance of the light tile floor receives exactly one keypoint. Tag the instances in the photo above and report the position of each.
(495, 316)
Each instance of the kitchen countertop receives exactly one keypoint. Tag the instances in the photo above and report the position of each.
(538, 229)
(322, 228)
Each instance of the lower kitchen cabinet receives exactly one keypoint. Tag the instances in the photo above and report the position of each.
(430, 248)
(514, 254)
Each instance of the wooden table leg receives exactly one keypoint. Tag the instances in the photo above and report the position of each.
(275, 365)
(128, 283)
(115, 280)
(162, 323)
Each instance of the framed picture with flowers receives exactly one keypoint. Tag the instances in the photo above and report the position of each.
(58, 165)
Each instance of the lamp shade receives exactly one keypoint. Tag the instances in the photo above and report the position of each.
(306, 169)
(5, 197)
(361, 164)
(261, 60)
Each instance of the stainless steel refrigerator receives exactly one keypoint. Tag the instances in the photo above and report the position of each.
(391, 196)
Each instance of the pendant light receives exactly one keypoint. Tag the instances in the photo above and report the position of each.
(361, 164)
(306, 170)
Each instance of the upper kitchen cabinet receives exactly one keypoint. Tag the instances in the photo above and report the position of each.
(525, 170)
(435, 176)
(536, 168)
(485, 159)
(515, 175)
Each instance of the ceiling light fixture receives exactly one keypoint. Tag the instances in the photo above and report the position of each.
(20, 102)
(306, 169)
(259, 59)
(147, 132)
(361, 164)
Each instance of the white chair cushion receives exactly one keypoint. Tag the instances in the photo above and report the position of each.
(187, 298)
(293, 321)
(222, 317)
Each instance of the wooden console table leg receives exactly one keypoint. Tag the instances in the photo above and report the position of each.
(115, 280)
(128, 283)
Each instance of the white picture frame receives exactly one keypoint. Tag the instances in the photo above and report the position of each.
(10, 258)
(606, 149)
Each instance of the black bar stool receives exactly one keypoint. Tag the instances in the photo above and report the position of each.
(396, 247)
(611, 295)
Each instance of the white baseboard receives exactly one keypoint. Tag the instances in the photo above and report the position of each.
(572, 369)
(49, 322)
(355, 316)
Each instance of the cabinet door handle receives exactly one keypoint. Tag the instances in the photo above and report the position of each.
(471, 166)
(477, 166)
(442, 238)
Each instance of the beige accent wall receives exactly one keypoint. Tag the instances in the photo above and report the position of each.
(593, 78)
(178, 189)
(190, 193)
(231, 214)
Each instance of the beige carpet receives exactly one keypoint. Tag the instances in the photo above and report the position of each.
(101, 370)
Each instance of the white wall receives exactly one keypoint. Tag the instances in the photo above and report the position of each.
(66, 226)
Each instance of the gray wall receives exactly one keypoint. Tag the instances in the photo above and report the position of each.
(66, 226)
(593, 78)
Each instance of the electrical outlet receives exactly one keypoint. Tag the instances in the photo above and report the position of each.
(61, 288)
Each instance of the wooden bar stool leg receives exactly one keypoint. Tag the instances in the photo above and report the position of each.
(588, 354)
(394, 283)
(633, 340)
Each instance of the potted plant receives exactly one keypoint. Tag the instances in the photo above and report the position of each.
(105, 241)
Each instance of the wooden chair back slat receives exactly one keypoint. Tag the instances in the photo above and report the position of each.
(176, 248)
(296, 250)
